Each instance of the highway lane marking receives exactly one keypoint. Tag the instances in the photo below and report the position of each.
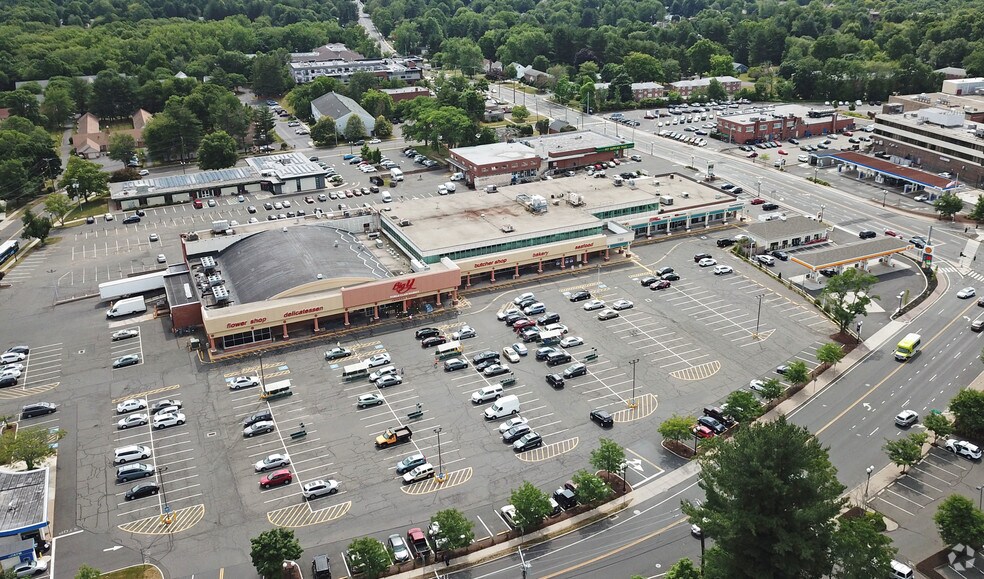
(891, 374)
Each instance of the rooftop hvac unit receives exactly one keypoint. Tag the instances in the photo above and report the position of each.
(575, 199)
(215, 280)
(507, 229)
(208, 264)
(221, 294)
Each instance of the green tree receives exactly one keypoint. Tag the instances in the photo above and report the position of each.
(591, 488)
(87, 572)
(532, 505)
(948, 205)
(977, 213)
(700, 54)
(368, 556)
(959, 521)
(58, 205)
(377, 104)
(323, 133)
(906, 451)
(263, 124)
(269, 75)
(31, 445)
(938, 424)
(542, 126)
(233, 117)
(122, 147)
(359, 84)
(609, 456)
(58, 106)
(384, 128)
(35, 226)
(456, 530)
(270, 549)
(860, 551)
(721, 65)
(642, 67)
(852, 283)
(564, 91)
(217, 151)
(830, 353)
(90, 178)
(968, 412)
(797, 373)
(716, 90)
(677, 427)
(355, 129)
(683, 569)
(520, 113)
(743, 406)
(772, 389)
(776, 518)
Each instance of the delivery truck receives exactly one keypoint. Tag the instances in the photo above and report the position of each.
(131, 286)
(127, 306)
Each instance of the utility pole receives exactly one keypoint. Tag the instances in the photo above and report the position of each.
(633, 363)
(758, 316)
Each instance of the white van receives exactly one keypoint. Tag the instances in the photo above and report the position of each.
(505, 406)
(387, 198)
(900, 571)
(451, 187)
(396, 174)
(487, 393)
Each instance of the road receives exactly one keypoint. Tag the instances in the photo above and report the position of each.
(364, 21)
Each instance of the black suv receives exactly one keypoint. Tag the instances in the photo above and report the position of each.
(866, 234)
(769, 207)
(565, 498)
(726, 242)
(602, 417)
(558, 358)
(699, 257)
(555, 380)
(320, 568)
(548, 318)
(423, 333)
(131, 219)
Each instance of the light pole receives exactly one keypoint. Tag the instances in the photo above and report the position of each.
(822, 207)
(440, 462)
(167, 509)
(816, 169)
(75, 187)
(980, 499)
(758, 316)
(901, 296)
(758, 186)
(867, 471)
(884, 196)
(262, 380)
(860, 323)
(633, 364)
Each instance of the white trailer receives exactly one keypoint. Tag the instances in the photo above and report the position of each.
(129, 286)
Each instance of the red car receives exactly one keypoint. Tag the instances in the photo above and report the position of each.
(661, 284)
(277, 477)
(702, 431)
(524, 323)
(752, 155)
(781, 152)
(848, 134)
(757, 201)
(892, 233)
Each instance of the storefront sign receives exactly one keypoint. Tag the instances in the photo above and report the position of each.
(584, 245)
(612, 148)
(488, 263)
(540, 253)
(242, 324)
(305, 311)
(402, 287)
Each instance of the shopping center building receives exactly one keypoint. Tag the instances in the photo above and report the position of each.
(269, 281)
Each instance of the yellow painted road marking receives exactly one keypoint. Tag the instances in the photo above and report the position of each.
(303, 515)
(578, 287)
(698, 372)
(183, 519)
(645, 405)
(548, 451)
(23, 392)
(432, 485)
(254, 369)
(147, 393)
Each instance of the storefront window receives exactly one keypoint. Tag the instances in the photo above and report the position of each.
(243, 338)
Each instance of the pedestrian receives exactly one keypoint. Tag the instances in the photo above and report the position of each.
(435, 362)
(447, 559)
(965, 229)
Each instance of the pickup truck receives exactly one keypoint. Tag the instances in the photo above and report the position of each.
(394, 436)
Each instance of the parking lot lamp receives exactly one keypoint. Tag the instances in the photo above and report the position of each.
(758, 185)
(980, 499)
(867, 482)
(884, 196)
(632, 403)
(758, 316)
(262, 380)
(75, 187)
(822, 207)
(166, 517)
(440, 463)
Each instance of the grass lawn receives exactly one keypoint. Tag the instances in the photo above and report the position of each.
(137, 572)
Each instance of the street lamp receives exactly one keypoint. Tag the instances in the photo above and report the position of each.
(633, 364)
(262, 380)
(167, 509)
(901, 296)
(758, 185)
(440, 463)
(980, 499)
(860, 323)
(867, 471)
(822, 207)
(75, 187)
(884, 196)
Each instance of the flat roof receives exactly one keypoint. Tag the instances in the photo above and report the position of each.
(25, 499)
(778, 112)
(467, 219)
(975, 103)
(495, 153)
(796, 225)
(846, 254)
(188, 182)
(286, 165)
(544, 145)
(898, 171)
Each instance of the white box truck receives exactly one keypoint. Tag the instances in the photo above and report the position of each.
(129, 286)
(127, 306)
(396, 174)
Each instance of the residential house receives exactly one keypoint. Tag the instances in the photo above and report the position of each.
(341, 108)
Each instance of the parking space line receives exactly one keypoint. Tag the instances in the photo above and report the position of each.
(927, 473)
(886, 501)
